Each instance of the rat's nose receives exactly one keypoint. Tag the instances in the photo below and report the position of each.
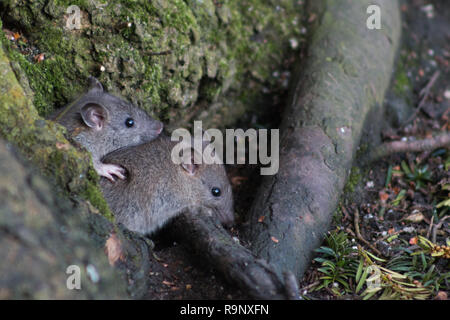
(159, 127)
(227, 219)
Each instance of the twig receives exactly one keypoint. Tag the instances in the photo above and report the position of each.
(423, 232)
(346, 215)
(391, 235)
(431, 226)
(436, 227)
(348, 230)
(424, 93)
(423, 156)
(386, 149)
(358, 233)
(309, 286)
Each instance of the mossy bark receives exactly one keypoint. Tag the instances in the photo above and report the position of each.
(345, 75)
(175, 59)
(41, 231)
(44, 142)
(41, 236)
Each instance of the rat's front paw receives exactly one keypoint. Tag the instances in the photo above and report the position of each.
(110, 170)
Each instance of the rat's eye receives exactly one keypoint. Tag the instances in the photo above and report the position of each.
(129, 122)
(216, 192)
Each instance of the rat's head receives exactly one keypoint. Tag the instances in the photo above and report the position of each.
(120, 121)
(209, 185)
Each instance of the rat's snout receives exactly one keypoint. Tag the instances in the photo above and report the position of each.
(227, 217)
(152, 131)
(158, 127)
(228, 222)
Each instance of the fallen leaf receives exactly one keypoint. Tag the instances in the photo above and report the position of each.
(383, 196)
(113, 249)
(312, 17)
(441, 295)
(415, 217)
(39, 58)
(62, 146)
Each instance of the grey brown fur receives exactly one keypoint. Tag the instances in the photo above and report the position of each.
(156, 189)
(97, 121)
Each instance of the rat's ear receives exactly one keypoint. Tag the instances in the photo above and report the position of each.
(95, 85)
(94, 115)
(189, 166)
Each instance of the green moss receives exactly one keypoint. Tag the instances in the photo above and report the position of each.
(402, 84)
(353, 179)
(42, 141)
(229, 43)
(95, 197)
(337, 216)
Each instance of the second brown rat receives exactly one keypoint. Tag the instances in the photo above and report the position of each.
(156, 189)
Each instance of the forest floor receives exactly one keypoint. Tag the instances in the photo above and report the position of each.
(387, 206)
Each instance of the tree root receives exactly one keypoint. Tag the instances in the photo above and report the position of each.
(238, 265)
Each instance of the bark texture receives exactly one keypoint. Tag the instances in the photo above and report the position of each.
(176, 59)
(42, 233)
(41, 236)
(346, 73)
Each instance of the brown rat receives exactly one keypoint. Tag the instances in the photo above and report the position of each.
(103, 123)
(156, 189)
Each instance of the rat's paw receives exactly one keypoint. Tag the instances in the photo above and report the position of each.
(110, 170)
